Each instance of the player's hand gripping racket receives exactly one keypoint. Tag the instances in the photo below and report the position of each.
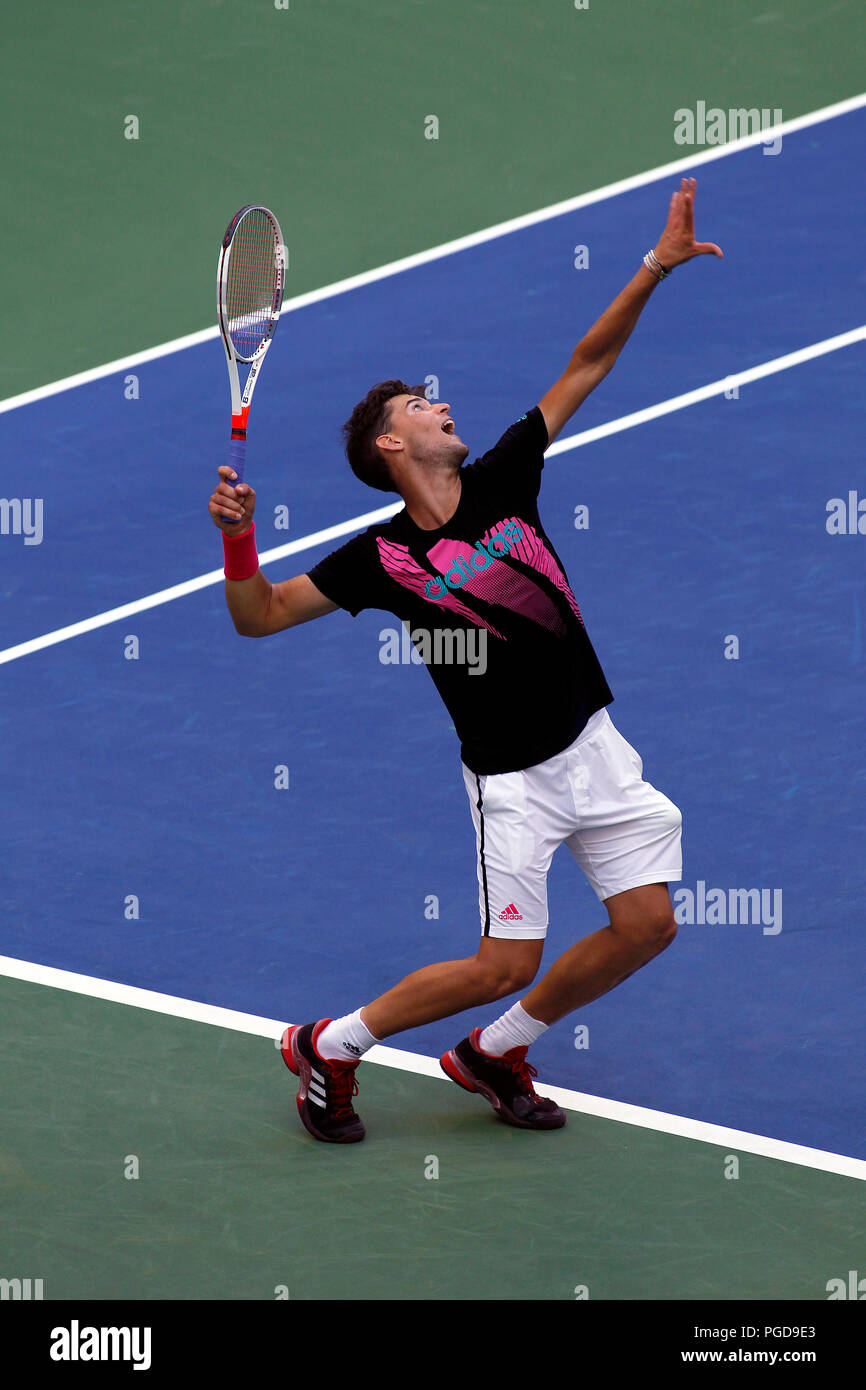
(250, 280)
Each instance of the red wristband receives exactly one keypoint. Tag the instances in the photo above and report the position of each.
(241, 556)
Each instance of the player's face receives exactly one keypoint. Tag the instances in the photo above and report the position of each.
(427, 430)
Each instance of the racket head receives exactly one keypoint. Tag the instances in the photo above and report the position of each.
(250, 280)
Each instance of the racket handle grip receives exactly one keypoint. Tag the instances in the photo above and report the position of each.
(237, 456)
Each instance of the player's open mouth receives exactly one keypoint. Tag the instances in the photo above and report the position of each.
(448, 427)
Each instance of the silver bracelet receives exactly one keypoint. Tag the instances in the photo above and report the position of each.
(652, 262)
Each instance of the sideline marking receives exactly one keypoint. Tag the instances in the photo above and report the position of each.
(381, 1055)
(450, 248)
(343, 528)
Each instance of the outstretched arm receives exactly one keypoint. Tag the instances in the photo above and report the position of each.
(596, 353)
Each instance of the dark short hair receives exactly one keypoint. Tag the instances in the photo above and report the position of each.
(368, 420)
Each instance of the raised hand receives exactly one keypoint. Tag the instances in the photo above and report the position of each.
(677, 242)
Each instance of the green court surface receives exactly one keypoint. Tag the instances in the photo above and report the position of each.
(234, 1200)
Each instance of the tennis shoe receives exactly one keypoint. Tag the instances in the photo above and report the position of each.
(506, 1082)
(327, 1086)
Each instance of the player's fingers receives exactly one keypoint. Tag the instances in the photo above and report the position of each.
(690, 204)
(224, 506)
(227, 473)
(228, 488)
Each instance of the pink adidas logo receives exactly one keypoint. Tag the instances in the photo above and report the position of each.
(510, 914)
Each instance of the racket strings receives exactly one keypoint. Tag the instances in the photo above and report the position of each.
(252, 282)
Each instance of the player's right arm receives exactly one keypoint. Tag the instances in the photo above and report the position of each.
(257, 607)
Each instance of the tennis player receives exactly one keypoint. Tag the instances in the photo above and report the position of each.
(542, 761)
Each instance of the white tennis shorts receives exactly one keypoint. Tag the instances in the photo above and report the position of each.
(592, 797)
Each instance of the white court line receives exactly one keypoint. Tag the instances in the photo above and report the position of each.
(450, 248)
(343, 528)
(190, 586)
(168, 1004)
(714, 388)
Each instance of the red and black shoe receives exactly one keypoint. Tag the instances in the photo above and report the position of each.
(505, 1081)
(326, 1089)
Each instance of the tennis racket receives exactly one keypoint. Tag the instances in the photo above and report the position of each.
(250, 277)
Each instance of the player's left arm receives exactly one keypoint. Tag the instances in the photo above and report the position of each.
(597, 351)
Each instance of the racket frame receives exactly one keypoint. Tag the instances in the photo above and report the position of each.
(241, 400)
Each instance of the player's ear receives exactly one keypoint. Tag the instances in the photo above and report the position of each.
(389, 442)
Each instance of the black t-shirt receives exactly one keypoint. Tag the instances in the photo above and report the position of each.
(488, 590)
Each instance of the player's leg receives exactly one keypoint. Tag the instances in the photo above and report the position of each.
(492, 1060)
(641, 926)
(520, 818)
(512, 877)
(628, 843)
(501, 967)
(627, 840)
(513, 860)
(325, 1054)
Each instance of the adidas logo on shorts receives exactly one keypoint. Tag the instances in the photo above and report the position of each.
(510, 914)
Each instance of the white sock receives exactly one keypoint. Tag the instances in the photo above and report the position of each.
(345, 1039)
(516, 1028)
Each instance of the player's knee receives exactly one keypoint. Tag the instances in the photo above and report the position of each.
(658, 930)
(665, 930)
(652, 931)
(515, 980)
(499, 979)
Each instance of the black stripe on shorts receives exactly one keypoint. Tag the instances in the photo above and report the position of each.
(486, 931)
